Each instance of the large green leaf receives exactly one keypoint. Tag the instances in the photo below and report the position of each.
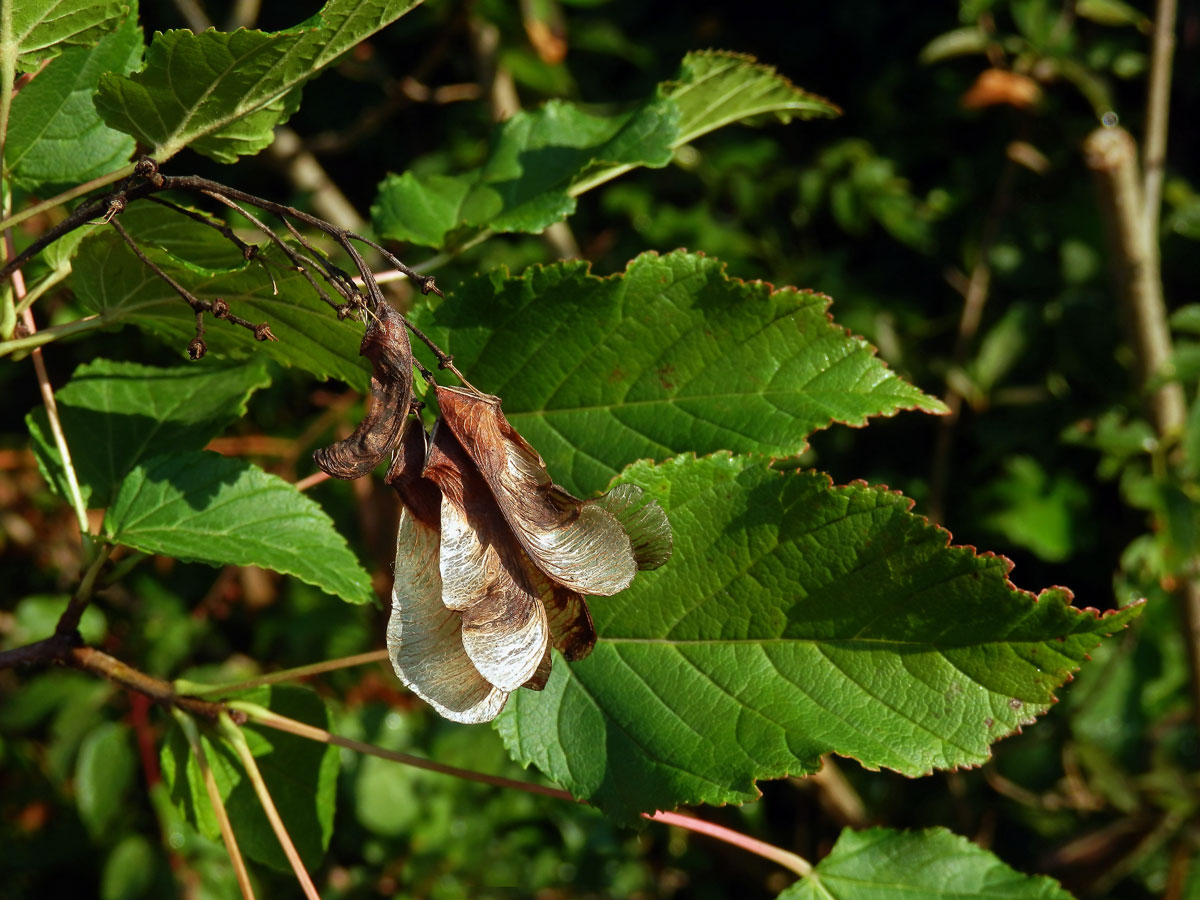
(671, 356)
(203, 507)
(55, 135)
(540, 161)
(880, 864)
(222, 93)
(115, 414)
(32, 31)
(301, 776)
(113, 283)
(794, 619)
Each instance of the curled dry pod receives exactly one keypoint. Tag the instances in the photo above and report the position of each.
(485, 575)
(386, 345)
(424, 638)
(581, 546)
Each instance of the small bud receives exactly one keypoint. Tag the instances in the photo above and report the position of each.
(220, 309)
(145, 167)
(263, 332)
(197, 348)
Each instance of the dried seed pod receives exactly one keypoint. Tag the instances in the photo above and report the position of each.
(484, 573)
(386, 344)
(424, 638)
(581, 546)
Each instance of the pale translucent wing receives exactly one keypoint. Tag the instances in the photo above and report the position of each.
(424, 638)
(484, 573)
(643, 520)
(581, 546)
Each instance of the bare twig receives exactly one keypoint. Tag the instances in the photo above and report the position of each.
(1158, 108)
(1112, 156)
(263, 716)
(778, 855)
(233, 735)
(47, 392)
(330, 665)
(188, 726)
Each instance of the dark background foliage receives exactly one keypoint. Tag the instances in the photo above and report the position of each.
(887, 209)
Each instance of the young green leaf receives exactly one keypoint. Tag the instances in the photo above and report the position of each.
(672, 355)
(55, 137)
(203, 507)
(115, 414)
(300, 774)
(113, 283)
(794, 619)
(934, 864)
(541, 161)
(222, 94)
(32, 31)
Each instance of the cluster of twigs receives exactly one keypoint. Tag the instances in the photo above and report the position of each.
(360, 296)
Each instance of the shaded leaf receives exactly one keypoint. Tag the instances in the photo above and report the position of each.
(300, 774)
(204, 507)
(671, 356)
(222, 94)
(795, 619)
(113, 283)
(115, 414)
(55, 135)
(41, 31)
(935, 863)
(540, 161)
(103, 773)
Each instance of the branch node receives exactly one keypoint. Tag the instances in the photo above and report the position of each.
(220, 309)
(262, 332)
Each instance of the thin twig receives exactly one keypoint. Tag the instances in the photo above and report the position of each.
(80, 190)
(330, 665)
(262, 716)
(1158, 109)
(68, 622)
(188, 726)
(1112, 157)
(56, 429)
(233, 735)
(778, 855)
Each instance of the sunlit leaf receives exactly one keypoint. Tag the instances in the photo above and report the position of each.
(204, 507)
(222, 93)
(794, 619)
(55, 136)
(114, 414)
(935, 864)
(670, 356)
(540, 161)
